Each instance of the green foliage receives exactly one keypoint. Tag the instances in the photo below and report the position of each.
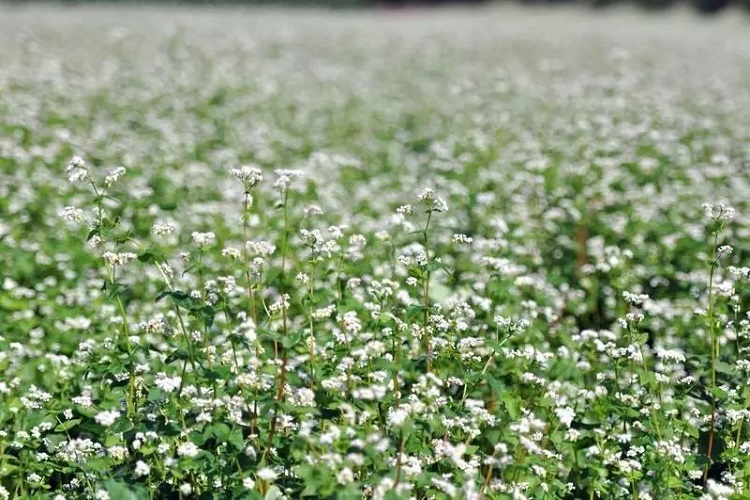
(327, 256)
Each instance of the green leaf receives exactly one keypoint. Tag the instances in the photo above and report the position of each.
(122, 425)
(674, 482)
(640, 338)
(236, 439)
(218, 373)
(200, 439)
(220, 431)
(416, 272)
(124, 237)
(121, 491)
(177, 355)
(291, 340)
(181, 299)
(435, 265)
(691, 431)
(147, 257)
(725, 368)
(240, 340)
(414, 311)
(156, 395)
(512, 406)
(310, 490)
(67, 425)
(206, 313)
(718, 393)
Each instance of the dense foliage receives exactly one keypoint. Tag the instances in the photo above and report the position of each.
(462, 255)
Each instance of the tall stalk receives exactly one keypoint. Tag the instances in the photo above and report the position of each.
(714, 350)
(131, 403)
(426, 293)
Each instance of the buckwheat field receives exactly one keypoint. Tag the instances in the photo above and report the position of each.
(446, 254)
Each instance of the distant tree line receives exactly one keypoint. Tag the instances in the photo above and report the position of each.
(705, 6)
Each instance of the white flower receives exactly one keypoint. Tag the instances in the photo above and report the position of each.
(106, 418)
(397, 417)
(725, 289)
(719, 490)
(188, 449)
(461, 239)
(282, 303)
(114, 176)
(118, 452)
(165, 383)
(719, 212)
(162, 229)
(231, 252)
(262, 248)
(325, 312)
(345, 476)
(142, 468)
(739, 272)
(83, 400)
(565, 415)
(266, 474)
(634, 299)
(250, 175)
(203, 239)
(723, 251)
(433, 202)
(71, 214)
(77, 170)
(445, 486)
(313, 210)
(634, 317)
(285, 177)
(118, 259)
(670, 355)
(248, 483)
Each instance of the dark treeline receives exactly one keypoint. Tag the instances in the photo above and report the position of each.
(705, 6)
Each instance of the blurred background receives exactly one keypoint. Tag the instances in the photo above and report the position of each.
(702, 6)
